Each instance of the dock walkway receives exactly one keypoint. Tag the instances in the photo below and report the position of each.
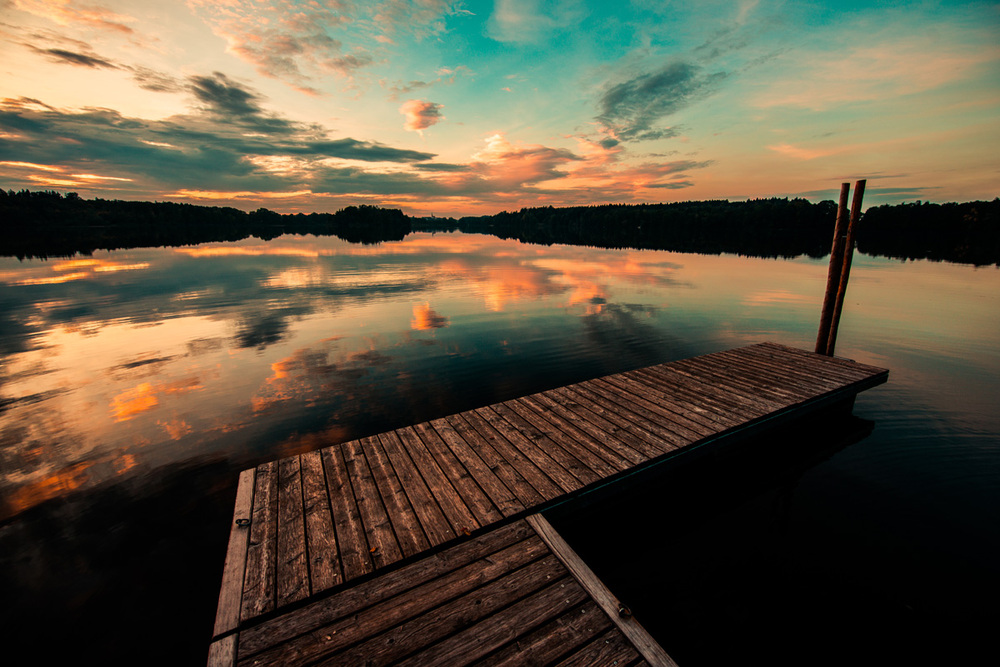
(310, 525)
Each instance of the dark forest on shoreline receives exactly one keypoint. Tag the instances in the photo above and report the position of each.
(46, 224)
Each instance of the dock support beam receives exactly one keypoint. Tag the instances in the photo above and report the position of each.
(841, 256)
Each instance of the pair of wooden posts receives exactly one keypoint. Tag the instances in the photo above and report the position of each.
(841, 255)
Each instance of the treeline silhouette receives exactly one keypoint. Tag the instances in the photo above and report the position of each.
(761, 227)
(48, 224)
(966, 233)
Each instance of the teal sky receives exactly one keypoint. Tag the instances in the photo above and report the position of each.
(453, 108)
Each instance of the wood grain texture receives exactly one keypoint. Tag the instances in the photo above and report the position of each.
(227, 616)
(349, 511)
(630, 627)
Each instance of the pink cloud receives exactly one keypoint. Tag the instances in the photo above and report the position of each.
(420, 114)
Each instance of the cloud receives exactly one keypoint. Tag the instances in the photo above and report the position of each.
(422, 17)
(68, 12)
(80, 59)
(289, 41)
(631, 109)
(425, 318)
(230, 143)
(420, 114)
(527, 21)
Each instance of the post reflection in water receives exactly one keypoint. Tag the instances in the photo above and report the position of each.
(136, 384)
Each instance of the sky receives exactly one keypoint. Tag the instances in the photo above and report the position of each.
(467, 108)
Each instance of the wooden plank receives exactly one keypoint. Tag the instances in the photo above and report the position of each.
(580, 398)
(725, 409)
(435, 524)
(722, 376)
(561, 468)
(529, 438)
(724, 396)
(355, 560)
(227, 615)
(614, 407)
(648, 405)
(847, 369)
(572, 409)
(502, 468)
(404, 520)
(787, 376)
(610, 648)
(517, 536)
(577, 429)
(259, 580)
(732, 373)
(536, 582)
(292, 571)
(674, 407)
(222, 652)
(452, 503)
(382, 546)
(494, 487)
(321, 538)
(475, 499)
(636, 634)
(543, 432)
(562, 636)
(504, 575)
(476, 640)
(519, 459)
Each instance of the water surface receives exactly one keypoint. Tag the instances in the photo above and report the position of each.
(136, 384)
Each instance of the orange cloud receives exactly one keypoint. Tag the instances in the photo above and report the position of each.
(420, 114)
(425, 318)
(144, 397)
(58, 483)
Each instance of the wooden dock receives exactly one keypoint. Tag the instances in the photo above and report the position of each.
(334, 528)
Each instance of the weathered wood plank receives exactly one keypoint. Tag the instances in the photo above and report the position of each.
(750, 405)
(259, 580)
(719, 406)
(227, 615)
(541, 430)
(502, 468)
(474, 641)
(619, 411)
(643, 642)
(572, 409)
(674, 407)
(382, 546)
(646, 405)
(222, 652)
(536, 582)
(494, 487)
(475, 499)
(451, 501)
(321, 537)
(292, 570)
(355, 559)
(594, 408)
(404, 520)
(580, 429)
(610, 648)
(520, 459)
(532, 437)
(562, 636)
(559, 466)
(389, 625)
(435, 524)
(517, 536)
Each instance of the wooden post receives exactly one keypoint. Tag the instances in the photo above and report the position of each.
(845, 272)
(833, 275)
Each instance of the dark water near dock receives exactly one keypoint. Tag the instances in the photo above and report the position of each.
(135, 385)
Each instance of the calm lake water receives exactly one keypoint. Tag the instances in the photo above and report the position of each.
(136, 384)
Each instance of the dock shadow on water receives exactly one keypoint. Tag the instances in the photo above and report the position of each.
(727, 558)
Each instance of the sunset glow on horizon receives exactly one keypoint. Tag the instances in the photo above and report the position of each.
(456, 108)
